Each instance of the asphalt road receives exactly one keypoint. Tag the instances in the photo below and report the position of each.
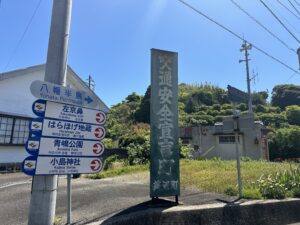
(91, 199)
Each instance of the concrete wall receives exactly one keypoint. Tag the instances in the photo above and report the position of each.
(205, 139)
(271, 212)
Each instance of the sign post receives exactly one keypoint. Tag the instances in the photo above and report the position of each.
(164, 163)
(235, 95)
(69, 191)
(44, 188)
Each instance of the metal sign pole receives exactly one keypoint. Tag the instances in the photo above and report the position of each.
(44, 188)
(236, 131)
(69, 186)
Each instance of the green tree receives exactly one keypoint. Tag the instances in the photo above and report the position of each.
(260, 108)
(293, 114)
(285, 143)
(143, 113)
(260, 98)
(190, 106)
(242, 107)
(285, 95)
(272, 119)
(134, 97)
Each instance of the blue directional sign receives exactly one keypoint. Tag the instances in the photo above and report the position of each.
(29, 165)
(66, 138)
(60, 165)
(63, 147)
(66, 129)
(67, 112)
(57, 93)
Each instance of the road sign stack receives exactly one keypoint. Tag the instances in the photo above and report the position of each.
(66, 138)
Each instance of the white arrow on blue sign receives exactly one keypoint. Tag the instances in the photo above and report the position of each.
(74, 113)
(63, 147)
(58, 93)
(60, 165)
(65, 129)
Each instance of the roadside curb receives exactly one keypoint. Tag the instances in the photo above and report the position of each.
(267, 212)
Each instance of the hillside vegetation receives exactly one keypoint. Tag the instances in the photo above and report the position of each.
(204, 104)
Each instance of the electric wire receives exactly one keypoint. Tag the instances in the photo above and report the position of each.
(264, 27)
(237, 36)
(297, 2)
(284, 6)
(290, 77)
(293, 7)
(23, 35)
(276, 17)
(286, 20)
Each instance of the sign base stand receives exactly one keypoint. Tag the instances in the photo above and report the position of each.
(164, 202)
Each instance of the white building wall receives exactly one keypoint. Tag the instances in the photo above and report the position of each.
(15, 95)
(205, 140)
(12, 154)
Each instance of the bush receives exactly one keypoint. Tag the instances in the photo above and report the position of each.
(109, 161)
(249, 193)
(272, 119)
(296, 192)
(216, 107)
(285, 143)
(218, 118)
(242, 107)
(231, 191)
(270, 188)
(138, 153)
(293, 114)
(261, 108)
(246, 159)
(280, 184)
(226, 106)
(184, 150)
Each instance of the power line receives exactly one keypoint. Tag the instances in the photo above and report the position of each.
(290, 77)
(279, 20)
(297, 2)
(264, 27)
(286, 20)
(293, 7)
(284, 6)
(237, 36)
(23, 35)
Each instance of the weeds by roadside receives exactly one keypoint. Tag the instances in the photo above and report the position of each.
(260, 179)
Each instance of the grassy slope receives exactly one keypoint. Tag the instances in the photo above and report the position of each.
(208, 175)
(216, 175)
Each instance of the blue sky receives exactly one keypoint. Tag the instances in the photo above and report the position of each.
(111, 40)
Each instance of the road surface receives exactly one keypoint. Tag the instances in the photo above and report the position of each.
(91, 199)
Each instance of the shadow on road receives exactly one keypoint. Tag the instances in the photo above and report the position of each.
(158, 205)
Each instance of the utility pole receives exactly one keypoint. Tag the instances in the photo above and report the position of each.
(91, 83)
(44, 188)
(90, 80)
(245, 47)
